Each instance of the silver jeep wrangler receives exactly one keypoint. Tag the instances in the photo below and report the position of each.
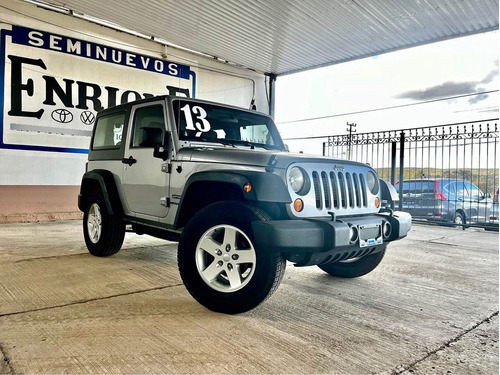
(219, 180)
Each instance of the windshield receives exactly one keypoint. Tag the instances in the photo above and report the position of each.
(212, 123)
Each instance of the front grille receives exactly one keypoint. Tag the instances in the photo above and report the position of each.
(339, 190)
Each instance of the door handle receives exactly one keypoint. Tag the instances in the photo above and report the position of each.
(129, 161)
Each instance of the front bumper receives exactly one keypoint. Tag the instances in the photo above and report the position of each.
(316, 241)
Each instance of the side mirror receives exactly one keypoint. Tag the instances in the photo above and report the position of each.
(162, 149)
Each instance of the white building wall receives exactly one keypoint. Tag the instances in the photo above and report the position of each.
(58, 71)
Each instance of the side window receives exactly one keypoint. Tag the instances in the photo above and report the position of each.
(108, 131)
(150, 117)
(473, 191)
(461, 190)
(450, 188)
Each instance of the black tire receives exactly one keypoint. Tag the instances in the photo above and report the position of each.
(354, 268)
(459, 220)
(219, 264)
(103, 233)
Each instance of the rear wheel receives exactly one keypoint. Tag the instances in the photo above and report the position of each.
(219, 263)
(354, 267)
(103, 233)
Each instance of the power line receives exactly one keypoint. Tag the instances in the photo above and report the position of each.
(391, 130)
(386, 108)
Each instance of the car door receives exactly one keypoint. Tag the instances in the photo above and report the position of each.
(145, 178)
(429, 206)
(478, 206)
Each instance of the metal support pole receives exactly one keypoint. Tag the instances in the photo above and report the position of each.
(401, 169)
(394, 146)
(272, 94)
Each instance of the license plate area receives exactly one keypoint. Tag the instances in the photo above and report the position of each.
(370, 235)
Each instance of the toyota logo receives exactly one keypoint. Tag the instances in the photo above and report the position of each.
(62, 115)
(87, 117)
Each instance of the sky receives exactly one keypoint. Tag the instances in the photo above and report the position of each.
(417, 81)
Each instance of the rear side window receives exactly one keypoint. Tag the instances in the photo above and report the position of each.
(461, 189)
(449, 188)
(108, 132)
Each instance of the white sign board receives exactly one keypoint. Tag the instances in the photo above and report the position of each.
(53, 85)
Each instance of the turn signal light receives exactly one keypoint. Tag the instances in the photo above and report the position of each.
(298, 205)
(377, 202)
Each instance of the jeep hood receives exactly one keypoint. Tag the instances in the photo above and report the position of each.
(256, 157)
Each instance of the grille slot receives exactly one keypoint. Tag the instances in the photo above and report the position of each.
(317, 189)
(335, 189)
(339, 190)
(326, 189)
(343, 195)
(357, 193)
(363, 190)
(349, 189)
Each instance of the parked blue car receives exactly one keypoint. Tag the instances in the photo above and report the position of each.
(446, 200)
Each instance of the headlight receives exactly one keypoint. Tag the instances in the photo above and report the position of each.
(372, 182)
(298, 180)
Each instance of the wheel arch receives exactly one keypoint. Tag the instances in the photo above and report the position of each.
(205, 188)
(462, 212)
(103, 181)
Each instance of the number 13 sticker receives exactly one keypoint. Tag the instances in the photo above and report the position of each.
(200, 122)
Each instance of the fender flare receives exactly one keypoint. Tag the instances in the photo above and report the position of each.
(388, 191)
(105, 181)
(266, 187)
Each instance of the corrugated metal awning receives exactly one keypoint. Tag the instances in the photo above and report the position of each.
(282, 37)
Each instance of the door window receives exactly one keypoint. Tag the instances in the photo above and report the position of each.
(151, 117)
(473, 191)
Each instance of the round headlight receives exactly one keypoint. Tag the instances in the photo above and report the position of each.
(297, 180)
(372, 182)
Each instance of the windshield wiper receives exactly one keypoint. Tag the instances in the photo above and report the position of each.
(212, 140)
(232, 142)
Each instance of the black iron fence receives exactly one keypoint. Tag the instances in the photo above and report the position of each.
(445, 173)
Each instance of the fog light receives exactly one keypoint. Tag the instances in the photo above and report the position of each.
(387, 229)
(298, 205)
(353, 234)
(247, 188)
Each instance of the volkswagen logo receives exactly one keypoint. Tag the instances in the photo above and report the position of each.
(62, 115)
(87, 117)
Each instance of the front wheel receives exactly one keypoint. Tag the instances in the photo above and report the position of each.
(354, 267)
(219, 263)
(103, 233)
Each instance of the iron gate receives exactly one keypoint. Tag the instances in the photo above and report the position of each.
(463, 154)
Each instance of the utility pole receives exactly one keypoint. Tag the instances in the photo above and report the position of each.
(351, 128)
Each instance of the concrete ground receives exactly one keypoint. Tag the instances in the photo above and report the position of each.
(431, 307)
